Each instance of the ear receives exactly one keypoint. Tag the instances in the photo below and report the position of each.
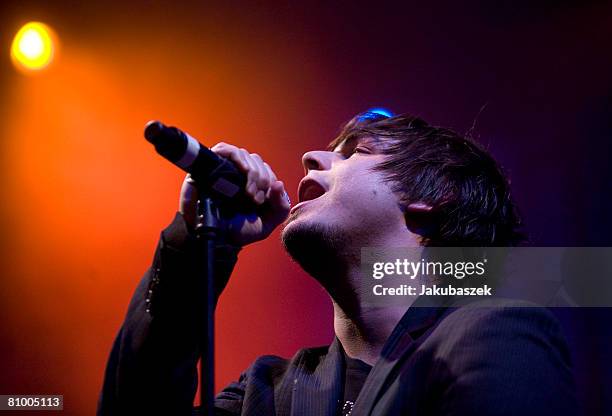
(421, 218)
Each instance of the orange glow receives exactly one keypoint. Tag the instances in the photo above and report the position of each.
(85, 196)
(33, 47)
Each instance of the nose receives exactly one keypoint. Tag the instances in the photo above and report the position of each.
(317, 160)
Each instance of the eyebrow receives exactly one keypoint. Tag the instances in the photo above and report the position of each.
(352, 141)
(344, 143)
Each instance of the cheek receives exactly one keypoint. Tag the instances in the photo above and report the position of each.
(367, 192)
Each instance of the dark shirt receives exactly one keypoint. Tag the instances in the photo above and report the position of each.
(355, 374)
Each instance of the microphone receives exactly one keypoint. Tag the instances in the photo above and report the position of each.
(212, 173)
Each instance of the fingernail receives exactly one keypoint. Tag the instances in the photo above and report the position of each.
(260, 197)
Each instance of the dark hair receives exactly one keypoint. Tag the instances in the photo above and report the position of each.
(466, 187)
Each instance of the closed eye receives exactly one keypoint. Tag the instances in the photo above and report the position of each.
(362, 150)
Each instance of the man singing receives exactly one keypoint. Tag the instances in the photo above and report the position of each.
(383, 182)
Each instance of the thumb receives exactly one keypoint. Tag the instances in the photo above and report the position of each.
(189, 200)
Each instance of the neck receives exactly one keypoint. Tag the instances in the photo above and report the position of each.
(362, 329)
(334, 260)
(363, 332)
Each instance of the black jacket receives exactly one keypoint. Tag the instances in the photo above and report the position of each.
(447, 360)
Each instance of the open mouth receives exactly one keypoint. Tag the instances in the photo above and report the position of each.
(310, 189)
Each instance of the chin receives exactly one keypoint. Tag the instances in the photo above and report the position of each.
(318, 248)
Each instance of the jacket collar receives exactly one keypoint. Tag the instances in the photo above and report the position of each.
(316, 379)
(422, 315)
(317, 382)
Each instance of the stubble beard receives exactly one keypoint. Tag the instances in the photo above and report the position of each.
(326, 253)
(319, 249)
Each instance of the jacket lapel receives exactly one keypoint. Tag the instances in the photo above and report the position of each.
(317, 385)
(400, 342)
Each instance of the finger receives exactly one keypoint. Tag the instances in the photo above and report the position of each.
(272, 176)
(231, 153)
(251, 186)
(188, 200)
(279, 206)
(241, 157)
(263, 177)
(224, 149)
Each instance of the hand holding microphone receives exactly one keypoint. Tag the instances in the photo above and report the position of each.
(235, 176)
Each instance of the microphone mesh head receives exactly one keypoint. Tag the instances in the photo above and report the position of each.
(153, 130)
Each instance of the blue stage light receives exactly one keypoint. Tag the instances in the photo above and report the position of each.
(381, 111)
(375, 114)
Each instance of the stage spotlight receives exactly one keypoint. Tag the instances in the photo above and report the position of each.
(33, 47)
